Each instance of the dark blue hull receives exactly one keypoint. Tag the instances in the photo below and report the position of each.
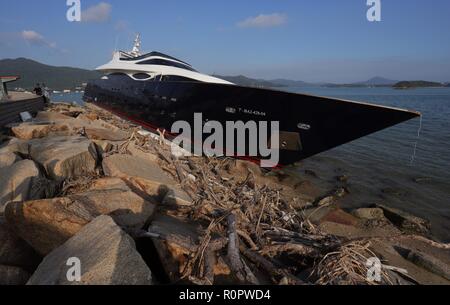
(308, 124)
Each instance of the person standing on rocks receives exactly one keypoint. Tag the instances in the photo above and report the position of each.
(37, 90)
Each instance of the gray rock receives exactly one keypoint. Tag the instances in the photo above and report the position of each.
(429, 263)
(8, 159)
(108, 256)
(404, 221)
(65, 157)
(13, 276)
(15, 146)
(105, 134)
(129, 210)
(28, 131)
(14, 251)
(16, 182)
(146, 177)
(369, 213)
(125, 166)
(50, 116)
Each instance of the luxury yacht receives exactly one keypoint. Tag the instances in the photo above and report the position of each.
(155, 90)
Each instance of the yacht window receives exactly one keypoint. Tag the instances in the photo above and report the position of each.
(163, 62)
(132, 58)
(141, 76)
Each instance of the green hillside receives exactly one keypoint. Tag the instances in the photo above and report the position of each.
(32, 72)
(249, 82)
(417, 84)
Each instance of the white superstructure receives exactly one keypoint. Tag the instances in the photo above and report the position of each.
(154, 66)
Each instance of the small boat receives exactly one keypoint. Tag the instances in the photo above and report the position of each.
(155, 90)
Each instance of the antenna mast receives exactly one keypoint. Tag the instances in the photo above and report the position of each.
(137, 46)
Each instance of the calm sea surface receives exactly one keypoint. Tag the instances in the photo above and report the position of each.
(384, 167)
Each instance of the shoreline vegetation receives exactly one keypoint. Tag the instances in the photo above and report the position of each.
(419, 84)
(72, 79)
(82, 182)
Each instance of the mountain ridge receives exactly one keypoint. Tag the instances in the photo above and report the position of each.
(64, 77)
(32, 72)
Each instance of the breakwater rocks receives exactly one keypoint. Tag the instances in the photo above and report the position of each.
(82, 188)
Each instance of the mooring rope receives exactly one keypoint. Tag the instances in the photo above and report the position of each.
(413, 157)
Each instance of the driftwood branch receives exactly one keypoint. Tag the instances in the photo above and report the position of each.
(238, 266)
(278, 275)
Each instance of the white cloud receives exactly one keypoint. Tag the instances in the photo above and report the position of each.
(263, 21)
(97, 13)
(36, 39)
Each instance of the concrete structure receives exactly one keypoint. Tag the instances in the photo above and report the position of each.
(14, 103)
(3, 88)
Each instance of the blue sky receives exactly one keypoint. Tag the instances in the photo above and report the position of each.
(320, 40)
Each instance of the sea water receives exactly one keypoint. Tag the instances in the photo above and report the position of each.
(396, 166)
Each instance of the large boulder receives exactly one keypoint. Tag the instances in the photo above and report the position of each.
(15, 146)
(339, 216)
(107, 255)
(10, 275)
(369, 213)
(124, 166)
(65, 157)
(429, 263)
(8, 159)
(139, 153)
(145, 177)
(406, 222)
(51, 116)
(105, 134)
(28, 131)
(129, 210)
(47, 224)
(16, 182)
(14, 251)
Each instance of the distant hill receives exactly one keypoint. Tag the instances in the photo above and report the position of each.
(56, 78)
(59, 78)
(378, 81)
(292, 83)
(417, 84)
(249, 82)
(373, 82)
(262, 83)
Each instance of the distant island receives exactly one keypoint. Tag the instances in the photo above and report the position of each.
(418, 84)
(69, 79)
(373, 82)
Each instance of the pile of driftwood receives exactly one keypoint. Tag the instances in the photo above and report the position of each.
(260, 235)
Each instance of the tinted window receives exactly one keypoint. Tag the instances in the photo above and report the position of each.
(141, 76)
(153, 54)
(163, 62)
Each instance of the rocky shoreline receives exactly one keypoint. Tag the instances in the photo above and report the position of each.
(79, 182)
